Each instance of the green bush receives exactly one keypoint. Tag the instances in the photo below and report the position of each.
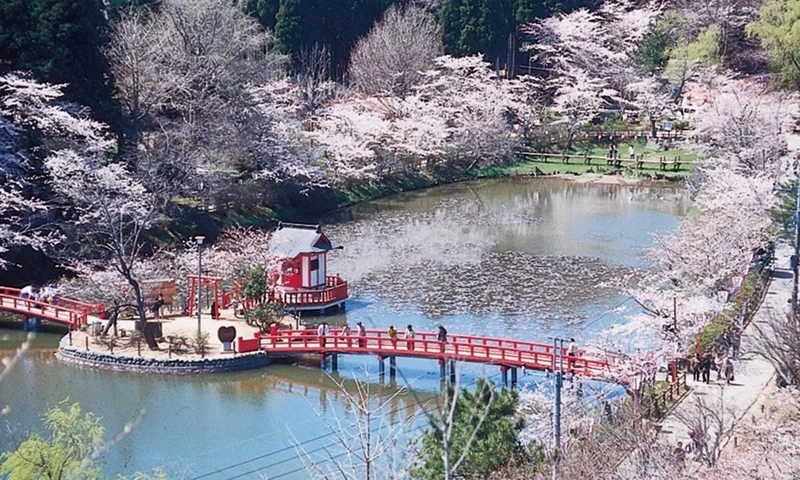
(263, 315)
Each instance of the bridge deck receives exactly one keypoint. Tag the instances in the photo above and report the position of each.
(65, 311)
(487, 350)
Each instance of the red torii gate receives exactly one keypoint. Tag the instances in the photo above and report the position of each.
(195, 283)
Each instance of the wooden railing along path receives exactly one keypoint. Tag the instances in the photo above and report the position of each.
(638, 160)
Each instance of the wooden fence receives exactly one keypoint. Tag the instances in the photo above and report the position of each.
(616, 161)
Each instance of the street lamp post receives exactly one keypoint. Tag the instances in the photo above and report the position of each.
(199, 239)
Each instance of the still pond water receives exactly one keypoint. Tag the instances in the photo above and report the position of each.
(519, 258)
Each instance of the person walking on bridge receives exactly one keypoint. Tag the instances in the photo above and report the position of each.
(410, 334)
(346, 334)
(273, 333)
(393, 336)
(362, 335)
(29, 291)
(322, 332)
(442, 336)
(572, 352)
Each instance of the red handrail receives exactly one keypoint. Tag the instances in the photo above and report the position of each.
(77, 304)
(498, 351)
(324, 296)
(56, 313)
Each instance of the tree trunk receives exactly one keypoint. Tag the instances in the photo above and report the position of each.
(112, 322)
(128, 144)
(140, 306)
(570, 135)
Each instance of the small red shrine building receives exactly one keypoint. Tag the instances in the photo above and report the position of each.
(300, 277)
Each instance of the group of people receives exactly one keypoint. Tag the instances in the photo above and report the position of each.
(702, 365)
(361, 334)
(613, 151)
(33, 292)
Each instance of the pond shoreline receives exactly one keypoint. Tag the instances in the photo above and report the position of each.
(420, 183)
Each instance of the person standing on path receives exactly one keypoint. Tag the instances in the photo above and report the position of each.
(719, 362)
(706, 367)
(728, 370)
(157, 305)
(410, 334)
(697, 363)
(362, 335)
(787, 310)
(632, 152)
(736, 342)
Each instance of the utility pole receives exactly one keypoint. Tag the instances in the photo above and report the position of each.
(675, 350)
(558, 369)
(796, 256)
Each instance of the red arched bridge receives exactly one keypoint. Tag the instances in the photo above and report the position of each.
(61, 310)
(505, 353)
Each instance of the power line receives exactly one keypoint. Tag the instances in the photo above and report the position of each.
(329, 434)
(592, 322)
(602, 392)
(323, 447)
(315, 439)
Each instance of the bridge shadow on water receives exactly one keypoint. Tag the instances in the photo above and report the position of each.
(16, 322)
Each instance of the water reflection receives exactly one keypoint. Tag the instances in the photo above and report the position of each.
(512, 258)
(508, 247)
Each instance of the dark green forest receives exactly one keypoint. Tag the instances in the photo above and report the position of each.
(62, 41)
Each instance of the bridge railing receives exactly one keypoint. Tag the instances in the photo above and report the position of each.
(426, 344)
(67, 303)
(54, 312)
(335, 290)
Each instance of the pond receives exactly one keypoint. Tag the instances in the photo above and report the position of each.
(519, 258)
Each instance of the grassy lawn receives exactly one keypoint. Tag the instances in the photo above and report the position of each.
(529, 166)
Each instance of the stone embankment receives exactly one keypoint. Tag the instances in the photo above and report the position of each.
(179, 366)
(85, 349)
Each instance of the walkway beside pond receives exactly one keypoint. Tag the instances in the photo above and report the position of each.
(721, 406)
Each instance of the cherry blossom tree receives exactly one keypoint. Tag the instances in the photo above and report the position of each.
(28, 106)
(743, 127)
(365, 444)
(113, 212)
(578, 99)
(779, 343)
(652, 98)
(704, 256)
(459, 115)
(766, 442)
(590, 56)
(313, 79)
(692, 59)
(235, 247)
